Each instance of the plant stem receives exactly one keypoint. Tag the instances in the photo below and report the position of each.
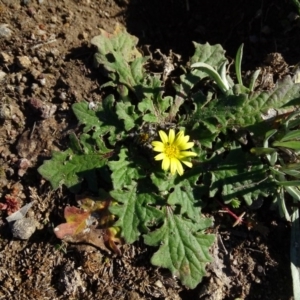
(239, 219)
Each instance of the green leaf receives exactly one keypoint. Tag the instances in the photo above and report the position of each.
(293, 173)
(128, 168)
(211, 55)
(238, 174)
(222, 84)
(261, 150)
(260, 102)
(150, 118)
(295, 166)
(103, 119)
(291, 144)
(289, 183)
(238, 64)
(154, 103)
(294, 134)
(75, 143)
(283, 212)
(184, 197)
(135, 212)
(293, 191)
(126, 112)
(163, 181)
(70, 169)
(86, 116)
(253, 79)
(295, 252)
(154, 90)
(118, 54)
(184, 248)
(268, 135)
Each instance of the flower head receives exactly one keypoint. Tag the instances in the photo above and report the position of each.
(173, 152)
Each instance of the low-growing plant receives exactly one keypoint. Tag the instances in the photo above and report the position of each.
(155, 151)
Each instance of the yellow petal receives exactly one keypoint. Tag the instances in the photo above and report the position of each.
(185, 146)
(163, 136)
(158, 146)
(187, 154)
(160, 156)
(165, 164)
(179, 168)
(187, 163)
(179, 138)
(171, 136)
(173, 165)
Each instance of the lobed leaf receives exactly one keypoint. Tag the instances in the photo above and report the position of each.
(135, 213)
(185, 198)
(238, 174)
(128, 168)
(102, 120)
(183, 248)
(126, 112)
(118, 54)
(70, 169)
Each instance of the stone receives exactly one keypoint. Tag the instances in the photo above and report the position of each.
(23, 62)
(24, 228)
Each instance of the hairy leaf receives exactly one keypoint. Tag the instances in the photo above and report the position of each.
(118, 54)
(70, 169)
(183, 248)
(258, 103)
(129, 167)
(126, 112)
(185, 198)
(102, 119)
(135, 213)
(238, 174)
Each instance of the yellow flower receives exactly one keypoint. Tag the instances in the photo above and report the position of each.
(173, 152)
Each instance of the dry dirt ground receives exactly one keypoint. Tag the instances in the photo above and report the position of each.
(46, 65)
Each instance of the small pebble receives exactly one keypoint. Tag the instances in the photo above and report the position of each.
(23, 166)
(5, 112)
(53, 19)
(2, 75)
(5, 57)
(24, 228)
(55, 52)
(83, 36)
(19, 77)
(23, 62)
(35, 73)
(34, 86)
(63, 96)
(158, 283)
(35, 60)
(42, 81)
(5, 32)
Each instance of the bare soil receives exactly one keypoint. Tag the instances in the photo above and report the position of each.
(47, 60)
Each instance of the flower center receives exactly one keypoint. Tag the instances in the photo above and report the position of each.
(171, 151)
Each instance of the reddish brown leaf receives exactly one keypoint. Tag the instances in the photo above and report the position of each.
(76, 222)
